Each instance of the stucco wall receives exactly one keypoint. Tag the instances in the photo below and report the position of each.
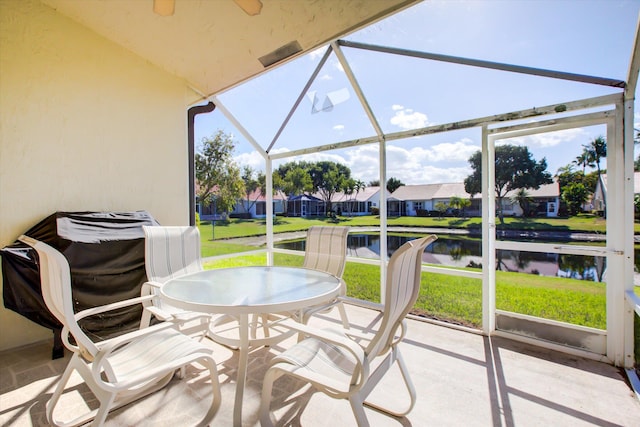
(84, 125)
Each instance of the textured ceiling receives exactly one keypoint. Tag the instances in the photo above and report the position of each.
(214, 44)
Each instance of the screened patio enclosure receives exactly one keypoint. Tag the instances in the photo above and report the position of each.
(605, 106)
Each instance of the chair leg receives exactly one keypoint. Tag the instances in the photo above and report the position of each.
(408, 383)
(357, 405)
(105, 406)
(62, 382)
(105, 398)
(376, 376)
(216, 395)
(267, 386)
(343, 315)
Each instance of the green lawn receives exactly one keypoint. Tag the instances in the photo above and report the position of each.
(459, 299)
(449, 298)
(242, 227)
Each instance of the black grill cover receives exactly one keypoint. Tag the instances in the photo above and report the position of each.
(105, 251)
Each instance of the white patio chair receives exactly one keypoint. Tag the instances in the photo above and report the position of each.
(338, 362)
(170, 252)
(326, 250)
(121, 369)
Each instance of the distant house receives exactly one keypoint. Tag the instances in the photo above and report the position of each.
(360, 203)
(599, 198)
(255, 205)
(305, 205)
(420, 200)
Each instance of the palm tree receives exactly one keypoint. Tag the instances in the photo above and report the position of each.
(459, 203)
(583, 160)
(596, 151)
(523, 198)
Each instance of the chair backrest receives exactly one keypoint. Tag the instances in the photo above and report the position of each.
(326, 249)
(171, 252)
(402, 288)
(55, 281)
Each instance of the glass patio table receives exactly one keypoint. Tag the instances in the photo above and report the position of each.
(244, 291)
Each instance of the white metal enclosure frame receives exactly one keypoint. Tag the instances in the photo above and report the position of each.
(609, 343)
(619, 122)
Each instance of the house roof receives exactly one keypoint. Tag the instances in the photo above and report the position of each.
(305, 198)
(448, 190)
(546, 190)
(431, 191)
(636, 182)
(215, 45)
(363, 195)
(255, 195)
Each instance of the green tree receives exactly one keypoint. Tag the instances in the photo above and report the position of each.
(590, 180)
(595, 151)
(523, 199)
(353, 187)
(297, 181)
(441, 208)
(328, 178)
(574, 195)
(567, 175)
(514, 168)
(584, 160)
(251, 184)
(459, 203)
(393, 184)
(217, 175)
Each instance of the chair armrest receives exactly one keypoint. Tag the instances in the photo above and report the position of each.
(113, 306)
(160, 313)
(148, 286)
(333, 336)
(153, 283)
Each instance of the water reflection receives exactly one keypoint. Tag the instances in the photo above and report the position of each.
(454, 251)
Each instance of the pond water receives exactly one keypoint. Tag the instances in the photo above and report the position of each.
(454, 251)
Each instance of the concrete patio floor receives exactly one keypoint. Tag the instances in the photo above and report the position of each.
(462, 379)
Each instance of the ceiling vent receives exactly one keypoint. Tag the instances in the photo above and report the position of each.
(280, 54)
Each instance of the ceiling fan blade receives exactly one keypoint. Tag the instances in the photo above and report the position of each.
(251, 7)
(164, 7)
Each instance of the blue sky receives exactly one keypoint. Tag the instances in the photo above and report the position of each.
(590, 37)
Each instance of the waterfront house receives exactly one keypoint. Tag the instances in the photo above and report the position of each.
(598, 200)
(254, 205)
(421, 200)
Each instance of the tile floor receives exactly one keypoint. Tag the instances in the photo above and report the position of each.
(462, 379)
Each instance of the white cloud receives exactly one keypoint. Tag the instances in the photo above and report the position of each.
(315, 54)
(550, 139)
(253, 159)
(338, 127)
(256, 161)
(439, 163)
(326, 77)
(408, 119)
(396, 107)
(445, 162)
